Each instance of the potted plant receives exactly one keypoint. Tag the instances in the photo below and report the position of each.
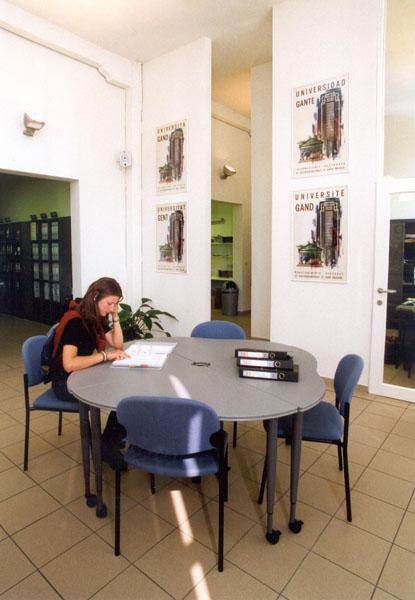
(141, 323)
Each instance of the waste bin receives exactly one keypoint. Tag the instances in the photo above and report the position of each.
(230, 298)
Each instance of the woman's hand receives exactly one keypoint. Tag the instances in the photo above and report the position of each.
(117, 355)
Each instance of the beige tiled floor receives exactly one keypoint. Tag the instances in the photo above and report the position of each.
(52, 546)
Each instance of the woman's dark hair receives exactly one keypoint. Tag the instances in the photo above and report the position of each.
(106, 286)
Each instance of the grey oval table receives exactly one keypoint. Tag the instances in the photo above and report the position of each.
(205, 370)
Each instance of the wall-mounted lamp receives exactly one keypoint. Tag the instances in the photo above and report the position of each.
(31, 125)
(227, 171)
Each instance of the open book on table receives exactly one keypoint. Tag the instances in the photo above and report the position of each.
(144, 355)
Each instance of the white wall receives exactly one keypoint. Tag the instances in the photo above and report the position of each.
(329, 320)
(232, 145)
(90, 101)
(261, 121)
(177, 86)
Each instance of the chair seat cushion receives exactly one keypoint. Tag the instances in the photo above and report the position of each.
(323, 423)
(48, 401)
(204, 463)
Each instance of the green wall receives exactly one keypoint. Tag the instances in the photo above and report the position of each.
(21, 197)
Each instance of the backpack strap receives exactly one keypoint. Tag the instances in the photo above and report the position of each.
(68, 316)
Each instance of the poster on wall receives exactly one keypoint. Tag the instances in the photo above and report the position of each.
(320, 241)
(171, 157)
(320, 132)
(171, 237)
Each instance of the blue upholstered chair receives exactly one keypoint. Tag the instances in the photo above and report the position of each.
(176, 437)
(31, 352)
(220, 330)
(329, 423)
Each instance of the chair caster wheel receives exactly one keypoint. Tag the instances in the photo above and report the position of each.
(295, 526)
(91, 500)
(102, 512)
(274, 536)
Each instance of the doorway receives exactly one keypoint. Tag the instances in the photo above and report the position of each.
(35, 247)
(393, 345)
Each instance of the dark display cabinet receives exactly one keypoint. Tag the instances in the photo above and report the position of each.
(401, 267)
(35, 268)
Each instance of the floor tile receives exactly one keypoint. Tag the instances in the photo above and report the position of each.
(360, 454)
(327, 466)
(3, 534)
(48, 465)
(384, 487)
(67, 486)
(136, 484)
(14, 565)
(405, 428)
(406, 533)
(320, 493)
(376, 421)
(373, 515)
(94, 559)
(50, 536)
(309, 455)
(398, 575)
(12, 434)
(382, 595)
(26, 508)
(70, 433)
(6, 421)
(353, 549)
(315, 521)
(37, 447)
(13, 481)
(320, 579)
(253, 440)
(47, 422)
(377, 408)
(34, 587)
(395, 465)
(5, 463)
(408, 415)
(242, 498)
(175, 503)
(6, 392)
(400, 445)
(131, 585)
(232, 583)
(274, 565)
(88, 515)
(73, 450)
(178, 563)
(243, 459)
(411, 505)
(367, 435)
(203, 526)
(140, 531)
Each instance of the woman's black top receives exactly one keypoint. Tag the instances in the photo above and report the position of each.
(74, 334)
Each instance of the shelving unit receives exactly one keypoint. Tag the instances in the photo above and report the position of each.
(35, 268)
(401, 266)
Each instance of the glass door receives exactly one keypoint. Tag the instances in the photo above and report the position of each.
(392, 370)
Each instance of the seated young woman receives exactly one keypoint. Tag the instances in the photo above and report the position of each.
(88, 329)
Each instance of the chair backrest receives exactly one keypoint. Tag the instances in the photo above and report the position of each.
(31, 352)
(346, 378)
(164, 425)
(220, 330)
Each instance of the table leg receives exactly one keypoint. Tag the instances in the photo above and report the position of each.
(91, 499)
(272, 535)
(294, 524)
(101, 510)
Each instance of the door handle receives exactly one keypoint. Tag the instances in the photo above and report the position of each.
(382, 291)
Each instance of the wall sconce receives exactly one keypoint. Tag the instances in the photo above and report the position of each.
(31, 125)
(227, 171)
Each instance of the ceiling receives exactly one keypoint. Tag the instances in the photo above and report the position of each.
(240, 30)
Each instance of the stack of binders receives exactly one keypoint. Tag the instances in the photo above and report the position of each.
(266, 364)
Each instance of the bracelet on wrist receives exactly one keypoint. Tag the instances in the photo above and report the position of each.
(104, 356)
(115, 320)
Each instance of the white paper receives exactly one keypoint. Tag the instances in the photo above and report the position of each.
(146, 355)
